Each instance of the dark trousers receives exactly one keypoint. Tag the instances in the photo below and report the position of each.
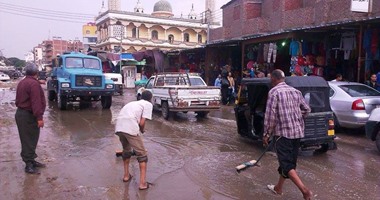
(224, 91)
(29, 134)
(287, 154)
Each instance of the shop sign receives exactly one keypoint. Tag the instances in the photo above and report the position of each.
(361, 5)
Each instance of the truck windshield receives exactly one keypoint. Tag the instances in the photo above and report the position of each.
(80, 63)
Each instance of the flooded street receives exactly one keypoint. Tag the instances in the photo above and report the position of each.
(189, 158)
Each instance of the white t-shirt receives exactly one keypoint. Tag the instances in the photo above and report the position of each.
(130, 115)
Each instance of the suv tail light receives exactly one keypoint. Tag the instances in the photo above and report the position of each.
(358, 105)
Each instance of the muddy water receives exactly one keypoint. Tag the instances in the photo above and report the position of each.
(189, 158)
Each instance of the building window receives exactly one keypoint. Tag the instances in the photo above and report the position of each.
(118, 31)
(171, 39)
(154, 35)
(134, 33)
(186, 37)
(199, 38)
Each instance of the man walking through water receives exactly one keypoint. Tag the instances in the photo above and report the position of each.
(31, 104)
(130, 127)
(284, 115)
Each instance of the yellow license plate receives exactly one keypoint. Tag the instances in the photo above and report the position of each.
(330, 132)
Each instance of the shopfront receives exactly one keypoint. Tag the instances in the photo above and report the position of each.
(350, 49)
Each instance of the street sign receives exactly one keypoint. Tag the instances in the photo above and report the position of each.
(361, 6)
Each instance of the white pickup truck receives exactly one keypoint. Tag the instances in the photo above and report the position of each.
(182, 92)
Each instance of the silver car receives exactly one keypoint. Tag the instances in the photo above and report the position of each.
(352, 103)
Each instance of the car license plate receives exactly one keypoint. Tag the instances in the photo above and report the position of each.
(330, 132)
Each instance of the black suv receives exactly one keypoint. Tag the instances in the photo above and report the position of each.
(319, 124)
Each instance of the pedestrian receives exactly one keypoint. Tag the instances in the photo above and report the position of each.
(129, 127)
(372, 81)
(225, 85)
(338, 77)
(231, 89)
(218, 80)
(284, 115)
(31, 104)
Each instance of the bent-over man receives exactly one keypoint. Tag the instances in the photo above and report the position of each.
(130, 127)
(31, 104)
(284, 115)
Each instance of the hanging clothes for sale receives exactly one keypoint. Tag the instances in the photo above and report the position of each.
(294, 48)
(272, 51)
(266, 51)
(347, 44)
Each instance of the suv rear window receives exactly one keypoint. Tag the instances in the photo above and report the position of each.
(359, 90)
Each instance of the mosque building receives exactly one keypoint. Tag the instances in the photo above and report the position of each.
(140, 31)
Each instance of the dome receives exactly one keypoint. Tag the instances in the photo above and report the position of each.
(163, 9)
(162, 5)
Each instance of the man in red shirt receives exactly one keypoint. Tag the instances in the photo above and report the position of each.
(31, 104)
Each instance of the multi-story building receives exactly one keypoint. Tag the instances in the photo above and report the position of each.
(57, 46)
(137, 31)
(89, 36)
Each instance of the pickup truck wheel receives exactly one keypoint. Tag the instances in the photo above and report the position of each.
(202, 113)
(165, 110)
(378, 140)
(52, 95)
(106, 102)
(62, 102)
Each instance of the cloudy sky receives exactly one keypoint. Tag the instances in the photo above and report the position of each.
(26, 23)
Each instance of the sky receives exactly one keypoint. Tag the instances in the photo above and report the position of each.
(26, 23)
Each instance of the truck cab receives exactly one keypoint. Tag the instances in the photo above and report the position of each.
(77, 78)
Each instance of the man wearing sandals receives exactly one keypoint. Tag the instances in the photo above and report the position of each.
(284, 114)
(129, 127)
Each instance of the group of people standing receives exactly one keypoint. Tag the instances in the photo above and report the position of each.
(226, 83)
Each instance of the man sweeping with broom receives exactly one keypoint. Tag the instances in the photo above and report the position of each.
(284, 115)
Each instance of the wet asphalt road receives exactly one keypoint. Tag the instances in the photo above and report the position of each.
(189, 158)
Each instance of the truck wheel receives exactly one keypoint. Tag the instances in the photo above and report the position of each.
(62, 102)
(121, 92)
(378, 140)
(52, 95)
(202, 114)
(165, 110)
(106, 102)
(324, 148)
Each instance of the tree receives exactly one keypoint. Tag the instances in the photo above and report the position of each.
(17, 63)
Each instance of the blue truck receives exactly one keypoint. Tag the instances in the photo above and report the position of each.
(78, 78)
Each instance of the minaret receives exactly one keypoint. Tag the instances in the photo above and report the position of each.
(139, 8)
(192, 14)
(210, 5)
(103, 9)
(114, 5)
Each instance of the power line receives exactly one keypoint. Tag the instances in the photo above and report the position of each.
(45, 14)
(63, 20)
(44, 10)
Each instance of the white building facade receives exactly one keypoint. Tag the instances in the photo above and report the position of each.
(136, 31)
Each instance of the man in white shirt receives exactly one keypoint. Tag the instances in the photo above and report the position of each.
(129, 127)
